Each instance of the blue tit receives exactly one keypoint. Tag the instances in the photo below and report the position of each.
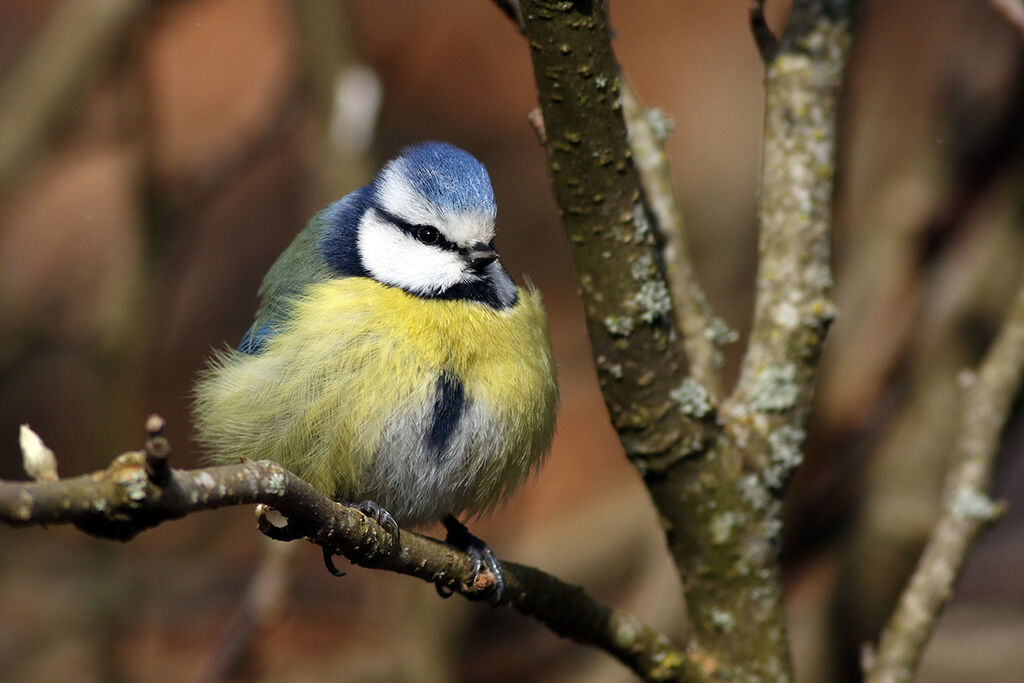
(392, 359)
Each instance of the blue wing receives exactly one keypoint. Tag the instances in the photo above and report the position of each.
(256, 338)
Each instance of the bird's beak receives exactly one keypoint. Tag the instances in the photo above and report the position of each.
(480, 255)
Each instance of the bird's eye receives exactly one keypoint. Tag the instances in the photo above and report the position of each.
(427, 234)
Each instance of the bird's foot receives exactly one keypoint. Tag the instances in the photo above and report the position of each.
(381, 516)
(378, 514)
(488, 575)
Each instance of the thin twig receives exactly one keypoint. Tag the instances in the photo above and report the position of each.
(967, 508)
(344, 94)
(767, 43)
(264, 598)
(124, 500)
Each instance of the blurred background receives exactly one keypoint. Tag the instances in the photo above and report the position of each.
(155, 157)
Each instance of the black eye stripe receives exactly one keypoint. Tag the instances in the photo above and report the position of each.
(418, 231)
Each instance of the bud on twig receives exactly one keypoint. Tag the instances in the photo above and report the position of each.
(39, 461)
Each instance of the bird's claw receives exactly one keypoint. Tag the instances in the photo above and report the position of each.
(379, 515)
(486, 569)
(329, 563)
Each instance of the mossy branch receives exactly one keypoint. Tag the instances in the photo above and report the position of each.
(139, 490)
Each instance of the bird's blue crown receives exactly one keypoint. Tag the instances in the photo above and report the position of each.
(448, 177)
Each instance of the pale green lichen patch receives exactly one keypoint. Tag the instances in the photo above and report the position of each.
(721, 526)
(692, 398)
(760, 548)
(133, 481)
(643, 267)
(653, 300)
(786, 454)
(775, 389)
(661, 123)
(754, 492)
(722, 620)
(619, 325)
(613, 369)
(625, 634)
(720, 333)
(642, 226)
(786, 315)
(970, 503)
(276, 484)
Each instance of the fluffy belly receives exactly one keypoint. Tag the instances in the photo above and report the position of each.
(425, 407)
(440, 457)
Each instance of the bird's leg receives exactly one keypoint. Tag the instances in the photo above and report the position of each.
(378, 514)
(478, 551)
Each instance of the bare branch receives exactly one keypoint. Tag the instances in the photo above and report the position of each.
(264, 598)
(793, 306)
(967, 508)
(767, 43)
(702, 333)
(126, 499)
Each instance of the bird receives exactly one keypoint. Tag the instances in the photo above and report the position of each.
(393, 363)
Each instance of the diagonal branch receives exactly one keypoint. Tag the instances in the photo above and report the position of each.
(645, 132)
(967, 508)
(640, 363)
(702, 333)
(54, 74)
(139, 491)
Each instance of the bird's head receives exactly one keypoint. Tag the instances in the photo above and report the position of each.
(426, 224)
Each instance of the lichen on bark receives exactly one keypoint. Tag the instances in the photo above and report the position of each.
(715, 468)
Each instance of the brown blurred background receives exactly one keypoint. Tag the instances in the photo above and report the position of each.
(196, 138)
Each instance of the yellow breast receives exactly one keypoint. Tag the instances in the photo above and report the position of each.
(356, 354)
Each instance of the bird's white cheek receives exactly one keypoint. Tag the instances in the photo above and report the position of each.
(395, 258)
